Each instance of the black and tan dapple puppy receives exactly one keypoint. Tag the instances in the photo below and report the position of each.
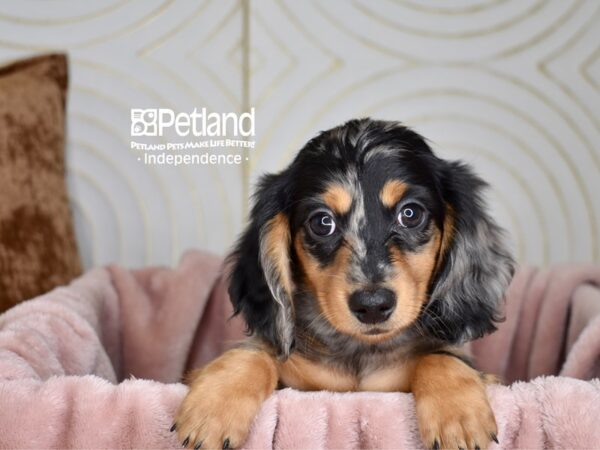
(366, 264)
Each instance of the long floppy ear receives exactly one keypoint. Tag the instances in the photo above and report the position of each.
(475, 266)
(260, 283)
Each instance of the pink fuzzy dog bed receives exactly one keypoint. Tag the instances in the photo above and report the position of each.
(97, 364)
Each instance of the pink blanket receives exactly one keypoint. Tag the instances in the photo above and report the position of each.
(97, 364)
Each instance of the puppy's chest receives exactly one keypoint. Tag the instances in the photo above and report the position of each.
(301, 373)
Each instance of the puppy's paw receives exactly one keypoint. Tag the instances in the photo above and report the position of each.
(223, 400)
(214, 415)
(457, 420)
(453, 410)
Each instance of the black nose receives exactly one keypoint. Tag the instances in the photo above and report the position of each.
(372, 306)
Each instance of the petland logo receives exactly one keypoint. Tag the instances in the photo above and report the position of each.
(156, 121)
(195, 138)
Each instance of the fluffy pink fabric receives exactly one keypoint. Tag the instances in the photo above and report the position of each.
(552, 326)
(97, 364)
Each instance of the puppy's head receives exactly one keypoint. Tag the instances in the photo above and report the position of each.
(368, 232)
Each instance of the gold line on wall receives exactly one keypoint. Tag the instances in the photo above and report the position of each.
(97, 153)
(543, 68)
(216, 79)
(520, 236)
(585, 66)
(366, 42)
(564, 18)
(549, 103)
(397, 54)
(282, 75)
(97, 40)
(453, 10)
(78, 172)
(525, 15)
(81, 206)
(63, 21)
(161, 40)
(246, 103)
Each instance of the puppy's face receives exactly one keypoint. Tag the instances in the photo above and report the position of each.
(367, 239)
(368, 233)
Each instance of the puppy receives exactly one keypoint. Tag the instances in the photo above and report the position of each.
(366, 264)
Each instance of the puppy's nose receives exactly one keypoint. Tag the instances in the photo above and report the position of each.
(372, 306)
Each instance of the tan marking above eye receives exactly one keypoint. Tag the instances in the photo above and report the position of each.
(337, 198)
(392, 192)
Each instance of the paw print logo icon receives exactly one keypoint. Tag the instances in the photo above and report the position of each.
(143, 122)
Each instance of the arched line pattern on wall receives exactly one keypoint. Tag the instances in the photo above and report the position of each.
(233, 98)
(534, 8)
(94, 121)
(245, 46)
(585, 67)
(307, 34)
(408, 57)
(462, 147)
(178, 81)
(152, 15)
(451, 10)
(553, 28)
(92, 149)
(78, 205)
(110, 8)
(80, 173)
(257, 63)
(543, 68)
(550, 104)
(162, 39)
(261, 97)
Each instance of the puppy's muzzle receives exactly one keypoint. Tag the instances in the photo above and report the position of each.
(372, 306)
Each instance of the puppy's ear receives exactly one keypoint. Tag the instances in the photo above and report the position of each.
(474, 267)
(260, 284)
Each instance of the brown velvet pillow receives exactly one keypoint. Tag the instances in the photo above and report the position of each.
(37, 242)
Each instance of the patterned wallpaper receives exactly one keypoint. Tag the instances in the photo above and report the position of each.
(511, 86)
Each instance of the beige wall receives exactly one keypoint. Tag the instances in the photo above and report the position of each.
(512, 86)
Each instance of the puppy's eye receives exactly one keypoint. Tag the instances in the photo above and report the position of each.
(411, 215)
(322, 224)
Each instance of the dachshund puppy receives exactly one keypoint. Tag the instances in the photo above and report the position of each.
(366, 264)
